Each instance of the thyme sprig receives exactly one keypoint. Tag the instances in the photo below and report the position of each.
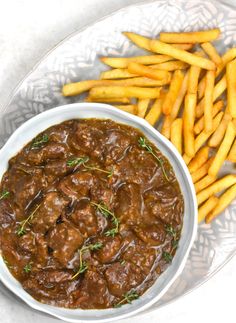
(167, 256)
(83, 266)
(4, 195)
(143, 144)
(77, 161)
(28, 267)
(171, 231)
(128, 298)
(21, 230)
(103, 208)
(39, 141)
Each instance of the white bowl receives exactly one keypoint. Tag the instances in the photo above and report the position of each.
(42, 121)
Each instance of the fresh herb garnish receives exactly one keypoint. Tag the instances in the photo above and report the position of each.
(175, 244)
(27, 269)
(4, 195)
(83, 266)
(77, 161)
(128, 298)
(103, 208)
(122, 262)
(39, 141)
(143, 144)
(167, 256)
(21, 230)
(171, 231)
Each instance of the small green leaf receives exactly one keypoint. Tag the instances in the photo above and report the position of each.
(27, 269)
(167, 256)
(77, 161)
(4, 195)
(39, 141)
(128, 298)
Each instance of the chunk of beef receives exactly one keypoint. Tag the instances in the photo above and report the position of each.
(55, 168)
(166, 203)
(89, 140)
(50, 209)
(51, 151)
(153, 234)
(117, 144)
(85, 219)
(110, 249)
(65, 240)
(93, 292)
(27, 243)
(77, 185)
(129, 203)
(141, 255)
(7, 214)
(25, 187)
(121, 278)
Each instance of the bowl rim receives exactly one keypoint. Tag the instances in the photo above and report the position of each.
(109, 110)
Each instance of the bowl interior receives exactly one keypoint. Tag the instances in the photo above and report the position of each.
(31, 128)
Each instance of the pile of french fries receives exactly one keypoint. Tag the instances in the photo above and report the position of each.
(184, 85)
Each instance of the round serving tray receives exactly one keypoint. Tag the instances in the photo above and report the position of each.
(77, 58)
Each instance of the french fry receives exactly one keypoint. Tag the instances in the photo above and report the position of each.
(226, 58)
(183, 46)
(231, 87)
(176, 134)
(192, 59)
(202, 171)
(232, 154)
(188, 124)
(219, 89)
(223, 150)
(216, 187)
(142, 107)
(180, 98)
(190, 37)
(123, 62)
(140, 41)
(83, 86)
(109, 100)
(199, 159)
(199, 125)
(124, 91)
(173, 92)
(224, 200)
(144, 42)
(208, 101)
(204, 182)
(186, 159)
(201, 87)
(155, 111)
(194, 73)
(206, 208)
(171, 66)
(219, 133)
(131, 108)
(116, 73)
(212, 53)
(165, 130)
(203, 136)
(147, 71)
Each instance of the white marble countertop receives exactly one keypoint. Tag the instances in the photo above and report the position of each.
(28, 29)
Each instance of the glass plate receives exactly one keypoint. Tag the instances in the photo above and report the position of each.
(77, 58)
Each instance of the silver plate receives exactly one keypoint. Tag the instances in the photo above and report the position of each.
(77, 58)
